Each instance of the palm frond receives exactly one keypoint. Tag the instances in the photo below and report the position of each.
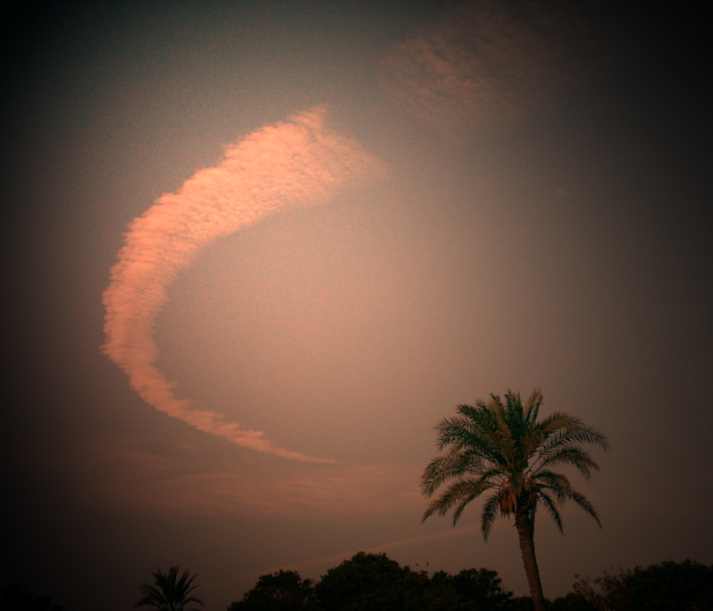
(490, 512)
(552, 509)
(533, 406)
(506, 435)
(572, 455)
(531, 441)
(585, 504)
(456, 492)
(454, 464)
(170, 590)
(461, 507)
(567, 433)
(514, 410)
(558, 483)
(559, 420)
(454, 431)
(460, 433)
(487, 480)
(481, 417)
(151, 597)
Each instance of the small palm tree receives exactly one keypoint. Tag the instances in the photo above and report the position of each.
(170, 591)
(500, 447)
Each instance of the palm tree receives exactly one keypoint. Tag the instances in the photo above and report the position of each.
(499, 447)
(170, 591)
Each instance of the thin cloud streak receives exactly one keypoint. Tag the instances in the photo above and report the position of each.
(299, 162)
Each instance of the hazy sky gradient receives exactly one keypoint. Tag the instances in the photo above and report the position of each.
(543, 222)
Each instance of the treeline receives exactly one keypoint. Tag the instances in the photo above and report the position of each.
(374, 582)
(15, 597)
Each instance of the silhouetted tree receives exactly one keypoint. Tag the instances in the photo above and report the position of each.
(440, 593)
(679, 586)
(571, 602)
(170, 591)
(474, 589)
(15, 597)
(372, 582)
(501, 448)
(481, 589)
(280, 591)
(521, 603)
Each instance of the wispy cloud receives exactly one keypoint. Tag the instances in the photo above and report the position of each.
(299, 162)
(485, 66)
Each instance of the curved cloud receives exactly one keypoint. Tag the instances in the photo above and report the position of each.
(297, 162)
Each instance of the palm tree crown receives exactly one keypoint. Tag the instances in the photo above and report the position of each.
(170, 591)
(499, 447)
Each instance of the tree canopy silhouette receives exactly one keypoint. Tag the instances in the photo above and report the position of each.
(369, 581)
(17, 597)
(684, 586)
(375, 582)
(280, 591)
(170, 591)
(501, 448)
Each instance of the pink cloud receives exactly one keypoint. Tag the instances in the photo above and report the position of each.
(299, 162)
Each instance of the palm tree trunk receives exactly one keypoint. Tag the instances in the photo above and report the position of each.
(524, 525)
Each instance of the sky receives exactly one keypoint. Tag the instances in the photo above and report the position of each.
(256, 251)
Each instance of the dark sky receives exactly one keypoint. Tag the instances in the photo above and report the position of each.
(541, 218)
